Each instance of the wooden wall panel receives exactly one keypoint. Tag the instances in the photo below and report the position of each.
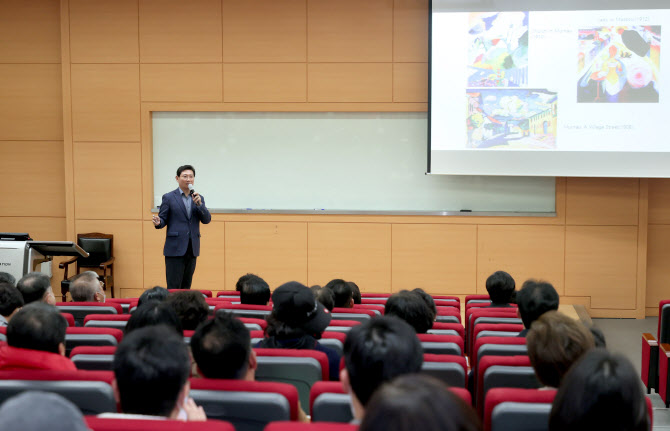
(175, 31)
(31, 104)
(154, 262)
(278, 33)
(37, 172)
(106, 102)
(602, 201)
(410, 30)
(350, 82)
(210, 272)
(265, 82)
(658, 269)
(437, 258)
(358, 252)
(277, 252)
(349, 31)
(30, 31)
(523, 251)
(659, 201)
(107, 180)
(410, 82)
(104, 31)
(601, 262)
(181, 82)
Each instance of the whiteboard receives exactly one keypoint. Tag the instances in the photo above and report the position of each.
(325, 161)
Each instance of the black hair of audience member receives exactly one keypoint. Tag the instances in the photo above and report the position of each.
(324, 296)
(221, 347)
(534, 299)
(156, 293)
(412, 308)
(190, 306)
(33, 286)
(254, 291)
(379, 350)
(356, 291)
(430, 302)
(153, 313)
(598, 337)
(500, 286)
(418, 402)
(6, 277)
(242, 280)
(37, 326)
(151, 366)
(343, 294)
(10, 299)
(601, 391)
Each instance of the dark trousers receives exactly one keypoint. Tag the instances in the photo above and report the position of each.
(179, 269)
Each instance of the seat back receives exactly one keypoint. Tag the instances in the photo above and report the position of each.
(511, 409)
(114, 424)
(451, 369)
(441, 344)
(300, 426)
(498, 346)
(503, 371)
(443, 326)
(99, 247)
(80, 310)
(205, 293)
(377, 308)
(123, 302)
(328, 402)
(245, 310)
(93, 357)
(359, 314)
(91, 337)
(117, 321)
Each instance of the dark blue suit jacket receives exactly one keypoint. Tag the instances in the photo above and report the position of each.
(181, 228)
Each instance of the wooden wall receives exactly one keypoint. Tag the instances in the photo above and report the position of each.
(122, 59)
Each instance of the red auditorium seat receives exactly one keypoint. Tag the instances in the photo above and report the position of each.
(109, 424)
(442, 344)
(359, 314)
(375, 295)
(650, 351)
(475, 299)
(229, 294)
(321, 426)
(444, 326)
(337, 325)
(124, 302)
(452, 301)
(451, 369)
(494, 330)
(537, 417)
(373, 301)
(117, 321)
(503, 371)
(245, 310)
(80, 309)
(448, 315)
(69, 317)
(374, 307)
(98, 358)
(91, 337)
(476, 316)
(248, 321)
(207, 293)
(497, 346)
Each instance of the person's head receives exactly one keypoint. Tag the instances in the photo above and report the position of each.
(555, 342)
(356, 291)
(430, 302)
(418, 402)
(86, 287)
(190, 306)
(500, 286)
(156, 293)
(410, 307)
(295, 313)
(343, 294)
(254, 290)
(35, 410)
(534, 299)
(601, 391)
(222, 348)
(38, 326)
(6, 277)
(375, 352)
(36, 286)
(151, 368)
(11, 300)
(185, 176)
(324, 296)
(153, 313)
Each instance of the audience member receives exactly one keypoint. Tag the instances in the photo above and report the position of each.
(191, 308)
(11, 301)
(500, 286)
(412, 308)
(6, 277)
(375, 352)
(254, 290)
(430, 302)
(153, 313)
(34, 410)
(343, 294)
(151, 368)
(555, 342)
(36, 286)
(356, 291)
(36, 340)
(156, 293)
(297, 321)
(87, 287)
(534, 299)
(602, 391)
(324, 296)
(418, 402)
(242, 280)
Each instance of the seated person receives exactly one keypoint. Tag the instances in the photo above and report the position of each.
(416, 401)
(6, 277)
(36, 340)
(11, 302)
(191, 308)
(35, 410)
(153, 313)
(87, 287)
(555, 342)
(410, 307)
(343, 294)
(534, 299)
(430, 302)
(356, 291)
(254, 290)
(156, 293)
(602, 391)
(36, 286)
(324, 296)
(151, 368)
(297, 321)
(500, 286)
(375, 352)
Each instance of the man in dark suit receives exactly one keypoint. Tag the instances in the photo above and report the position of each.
(182, 213)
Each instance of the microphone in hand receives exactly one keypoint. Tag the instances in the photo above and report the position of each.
(196, 197)
(191, 189)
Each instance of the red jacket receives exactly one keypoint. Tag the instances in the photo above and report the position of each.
(14, 358)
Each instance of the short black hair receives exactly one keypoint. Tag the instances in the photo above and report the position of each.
(33, 286)
(151, 366)
(254, 290)
(356, 291)
(534, 299)
(156, 293)
(221, 347)
(153, 313)
(324, 296)
(190, 306)
(601, 391)
(410, 307)
(430, 302)
(500, 286)
(185, 168)
(378, 350)
(6, 277)
(84, 286)
(342, 292)
(10, 298)
(37, 326)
